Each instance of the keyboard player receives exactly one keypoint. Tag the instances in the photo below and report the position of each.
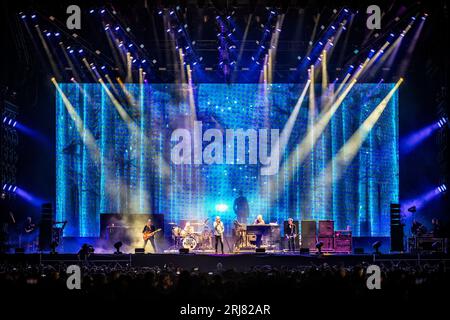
(259, 220)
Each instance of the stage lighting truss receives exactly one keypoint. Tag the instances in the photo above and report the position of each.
(9, 141)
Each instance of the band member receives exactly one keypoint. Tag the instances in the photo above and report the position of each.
(188, 228)
(218, 233)
(291, 233)
(417, 229)
(29, 225)
(259, 220)
(240, 207)
(436, 228)
(149, 227)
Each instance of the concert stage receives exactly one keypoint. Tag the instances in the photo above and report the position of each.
(239, 262)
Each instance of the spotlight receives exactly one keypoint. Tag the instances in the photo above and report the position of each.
(117, 246)
(376, 246)
(442, 122)
(116, 28)
(71, 51)
(319, 246)
(80, 51)
(442, 188)
(221, 207)
(91, 11)
(33, 16)
(102, 11)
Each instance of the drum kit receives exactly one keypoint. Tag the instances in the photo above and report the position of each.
(194, 236)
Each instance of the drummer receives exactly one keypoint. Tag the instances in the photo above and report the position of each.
(188, 228)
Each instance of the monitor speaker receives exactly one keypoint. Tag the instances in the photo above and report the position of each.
(304, 250)
(139, 250)
(184, 250)
(260, 250)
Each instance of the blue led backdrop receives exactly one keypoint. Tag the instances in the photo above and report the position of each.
(126, 167)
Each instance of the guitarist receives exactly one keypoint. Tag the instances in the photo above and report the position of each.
(149, 227)
(218, 233)
(291, 234)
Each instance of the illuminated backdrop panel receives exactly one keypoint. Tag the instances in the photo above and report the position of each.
(134, 172)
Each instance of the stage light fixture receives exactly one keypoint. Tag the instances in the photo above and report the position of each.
(442, 121)
(91, 11)
(117, 246)
(442, 188)
(319, 246)
(376, 246)
(221, 207)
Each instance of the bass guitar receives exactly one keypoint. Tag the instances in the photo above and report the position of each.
(147, 235)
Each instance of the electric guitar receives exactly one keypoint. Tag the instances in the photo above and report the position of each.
(147, 235)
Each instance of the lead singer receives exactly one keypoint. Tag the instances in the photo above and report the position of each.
(218, 232)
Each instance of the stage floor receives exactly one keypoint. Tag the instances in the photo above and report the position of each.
(241, 261)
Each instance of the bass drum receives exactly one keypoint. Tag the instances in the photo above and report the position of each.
(189, 243)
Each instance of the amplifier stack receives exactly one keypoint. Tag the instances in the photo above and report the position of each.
(326, 235)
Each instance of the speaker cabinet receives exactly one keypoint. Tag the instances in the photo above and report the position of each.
(308, 243)
(328, 243)
(309, 228)
(45, 227)
(396, 228)
(343, 241)
(326, 228)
